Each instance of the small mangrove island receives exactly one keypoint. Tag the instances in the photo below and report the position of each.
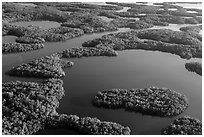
(194, 67)
(184, 126)
(87, 52)
(45, 67)
(153, 101)
(86, 125)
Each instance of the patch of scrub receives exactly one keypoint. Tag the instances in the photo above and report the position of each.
(184, 126)
(106, 18)
(41, 24)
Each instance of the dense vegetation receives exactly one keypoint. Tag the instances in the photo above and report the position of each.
(169, 36)
(131, 23)
(31, 37)
(180, 43)
(194, 67)
(52, 66)
(18, 47)
(86, 125)
(28, 107)
(89, 23)
(195, 29)
(184, 126)
(33, 34)
(87, 52)
(152, 101)
(45, 67)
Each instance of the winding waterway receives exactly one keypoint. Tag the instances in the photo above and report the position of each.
(130, 69)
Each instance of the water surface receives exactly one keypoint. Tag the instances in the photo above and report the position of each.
(130, 69)
(14, 59)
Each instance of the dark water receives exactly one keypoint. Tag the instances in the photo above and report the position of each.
(130, 69)
(57, 132)
(50, 48)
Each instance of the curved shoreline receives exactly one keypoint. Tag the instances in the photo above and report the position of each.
(29, 107)
(184, 126)
(86, 125)
(194, 67)
(52, 66)
(45, 67)
(171, 42)
(152, 101)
